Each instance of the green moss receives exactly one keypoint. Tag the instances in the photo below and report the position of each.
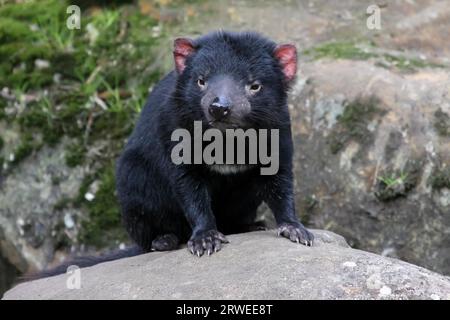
(352, 124)
(118, 68)
(34, 10)
(52, 133)
(3, 105)
(20, 46)
(65, 64)
(339, 50)
(104, 224)
(307, 205)
(40, 117)
(24, 149)
(362, 51)
(75, 155)
(33, 117)
(442, 123)
(440, 178)
(56, 180)
(62, 203)
(12, 30)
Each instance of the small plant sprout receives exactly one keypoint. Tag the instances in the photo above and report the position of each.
(393, 180)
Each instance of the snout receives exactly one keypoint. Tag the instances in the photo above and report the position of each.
(220, 108)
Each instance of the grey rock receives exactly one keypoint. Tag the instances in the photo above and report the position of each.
(410, 219)
(341, 191)
(255, 265)
(28, 219)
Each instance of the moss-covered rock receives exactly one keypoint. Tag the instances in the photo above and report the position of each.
(352, 124)
(357, 50)
(442, 123)
(86, 85)
(440, 178)
(393, 184)
(103, 227)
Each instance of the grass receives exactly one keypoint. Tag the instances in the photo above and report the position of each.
(90, 90)
(393, 180)
(394, 184)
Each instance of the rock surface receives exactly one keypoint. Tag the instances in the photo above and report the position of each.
(253, 266)
(368, 155)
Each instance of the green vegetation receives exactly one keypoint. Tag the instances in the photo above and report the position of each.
(393, 180)
(103, 225)
(442, 123)
(352, 124)
(24, 148)
(82, 88)
(90, 80)
(440, 178)
(75, 155)
(339, 50)
(397, 183)
(307, 205)
(363, 51)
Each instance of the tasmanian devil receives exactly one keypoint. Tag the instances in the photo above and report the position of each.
(225, 80)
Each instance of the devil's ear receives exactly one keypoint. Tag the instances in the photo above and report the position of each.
(286, 54)
(182, 48)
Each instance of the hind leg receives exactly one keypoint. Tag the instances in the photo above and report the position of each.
(138, 226)
(165, 242)
(149, 213)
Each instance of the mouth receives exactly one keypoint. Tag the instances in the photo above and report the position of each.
(223, 124)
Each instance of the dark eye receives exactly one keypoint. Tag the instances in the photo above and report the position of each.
(255, 87)
(201, 83)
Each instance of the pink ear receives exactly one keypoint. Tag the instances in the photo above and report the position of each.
(182, 48)
(287, 56)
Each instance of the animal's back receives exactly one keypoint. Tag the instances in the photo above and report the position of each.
(157, 102)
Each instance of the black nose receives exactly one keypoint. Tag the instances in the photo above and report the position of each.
(219, 109)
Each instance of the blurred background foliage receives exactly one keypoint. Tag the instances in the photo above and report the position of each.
(88, 84)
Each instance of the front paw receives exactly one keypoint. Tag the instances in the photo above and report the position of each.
(296, 233)
(206, 242)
